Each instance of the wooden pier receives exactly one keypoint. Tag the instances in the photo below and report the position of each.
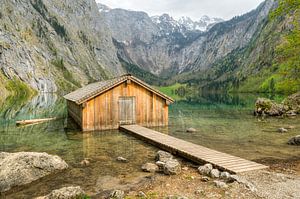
(193, 152)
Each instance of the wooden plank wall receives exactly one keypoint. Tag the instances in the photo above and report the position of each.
(102, 112)
(75, 111)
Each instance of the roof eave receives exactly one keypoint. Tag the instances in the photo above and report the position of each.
(134, 79)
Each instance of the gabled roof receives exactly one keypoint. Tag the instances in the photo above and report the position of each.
(92, 90)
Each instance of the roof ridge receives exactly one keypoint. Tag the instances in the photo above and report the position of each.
(85, 93)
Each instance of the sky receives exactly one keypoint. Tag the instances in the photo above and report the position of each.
(195, 9)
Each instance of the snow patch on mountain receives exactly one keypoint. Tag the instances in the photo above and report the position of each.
(103, 8)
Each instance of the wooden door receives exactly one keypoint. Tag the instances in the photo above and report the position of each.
(127, 110)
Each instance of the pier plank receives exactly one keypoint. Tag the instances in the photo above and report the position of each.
(192, 151)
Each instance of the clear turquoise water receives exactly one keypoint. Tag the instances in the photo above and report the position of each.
(223, 122)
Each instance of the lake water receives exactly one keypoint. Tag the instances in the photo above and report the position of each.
(223, 122)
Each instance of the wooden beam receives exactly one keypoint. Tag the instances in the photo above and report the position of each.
(34, 121)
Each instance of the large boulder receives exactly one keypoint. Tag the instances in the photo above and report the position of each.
(25, 167)
(294, 140)
(65, 193)
(290, 106)
(293, 102)
(172, 167)
(163, 156)
(269, 107)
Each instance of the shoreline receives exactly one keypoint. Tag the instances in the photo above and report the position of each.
(190, 184)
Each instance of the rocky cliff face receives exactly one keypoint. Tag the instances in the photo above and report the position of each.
(55, 45)
(165, 47)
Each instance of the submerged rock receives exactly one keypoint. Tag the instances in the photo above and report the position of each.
(191, 130)
(121, 159)
(85, 162)
(21, 168)
(294, 140)
(163, 156)
(282, 130)
(205, 169)
(172, 167)
(65, 193)
(150, 167)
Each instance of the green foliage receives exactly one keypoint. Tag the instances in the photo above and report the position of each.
(177, 91)
(85, 39)
(18, 91)
(270, 63)
(59, 29)
(142, 74)
(288, 52)
(285, 7)
(59, 64)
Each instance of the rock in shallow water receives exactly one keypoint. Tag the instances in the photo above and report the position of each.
(282, 130)
(65, 193)
(293, 102)
(121, 159)
(191, 130)
(269, 107)
(21, 168)
(150, 167)
(294, 140)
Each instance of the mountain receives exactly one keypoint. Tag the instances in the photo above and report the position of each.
(204, 24)
(57, 46)
(183, 24)
(270, 62)
(165, 47)
(54, 45)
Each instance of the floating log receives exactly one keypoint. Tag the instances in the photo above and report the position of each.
(34, 121)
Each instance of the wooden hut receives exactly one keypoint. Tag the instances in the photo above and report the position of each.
(119, 101)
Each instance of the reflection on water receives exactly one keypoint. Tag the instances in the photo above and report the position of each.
(102, 148)
(224, 122)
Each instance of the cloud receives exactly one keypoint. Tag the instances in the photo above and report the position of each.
(191, 8)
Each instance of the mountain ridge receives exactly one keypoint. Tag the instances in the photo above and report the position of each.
(168, 49)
